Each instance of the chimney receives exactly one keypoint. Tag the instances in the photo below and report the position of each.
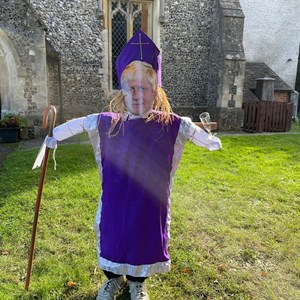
(265, 89)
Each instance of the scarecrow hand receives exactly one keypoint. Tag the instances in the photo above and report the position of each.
(51, 142)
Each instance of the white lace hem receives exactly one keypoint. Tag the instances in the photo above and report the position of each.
(136, 271)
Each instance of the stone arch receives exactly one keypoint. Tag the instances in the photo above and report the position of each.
(11, 83)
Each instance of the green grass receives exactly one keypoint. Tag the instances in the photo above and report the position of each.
(296, 125)
(235, 231)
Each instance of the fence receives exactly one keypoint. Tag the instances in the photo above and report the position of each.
(269, 116)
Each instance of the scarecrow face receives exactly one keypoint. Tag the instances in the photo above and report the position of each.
(139, 96)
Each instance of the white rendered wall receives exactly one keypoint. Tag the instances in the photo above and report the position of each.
(272, 35)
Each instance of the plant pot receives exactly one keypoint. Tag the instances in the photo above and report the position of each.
(23, 133)
(9, 135)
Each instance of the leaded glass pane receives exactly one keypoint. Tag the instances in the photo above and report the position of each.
(114, 5)
(124, 6)
(137, 22)
(135, 7)
(119, 39)
(126, 18)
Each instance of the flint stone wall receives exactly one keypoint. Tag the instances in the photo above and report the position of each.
(192, 42)
(23, 45)
(203, 59)
(186, 40)
(75, 35)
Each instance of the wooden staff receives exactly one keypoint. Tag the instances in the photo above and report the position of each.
(52, 110)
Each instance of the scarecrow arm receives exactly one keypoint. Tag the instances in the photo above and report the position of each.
(65, 131)
(199, 136)
(69, 129)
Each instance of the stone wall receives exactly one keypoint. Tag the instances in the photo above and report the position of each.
(203, 59)
(230, 114)
(24, 40)
(75, 34)
(197, 73)
(23, 59)
(215, 58)
(186, 39)
(54, 78)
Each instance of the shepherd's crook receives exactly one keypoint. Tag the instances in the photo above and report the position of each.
(52, 110)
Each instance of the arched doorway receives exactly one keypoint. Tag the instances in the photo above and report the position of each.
(11, 84)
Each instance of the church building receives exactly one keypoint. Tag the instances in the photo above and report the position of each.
(63, 53)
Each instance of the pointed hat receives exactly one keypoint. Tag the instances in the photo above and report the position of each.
(139, 47)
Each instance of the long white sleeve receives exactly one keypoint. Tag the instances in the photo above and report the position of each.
(70, 128)
(65, 131)
(199, 136)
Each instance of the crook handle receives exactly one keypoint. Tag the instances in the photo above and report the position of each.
(52, 110)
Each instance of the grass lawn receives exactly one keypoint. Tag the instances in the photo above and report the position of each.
(235, 231)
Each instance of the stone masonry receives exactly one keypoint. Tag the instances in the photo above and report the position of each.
(57, 50)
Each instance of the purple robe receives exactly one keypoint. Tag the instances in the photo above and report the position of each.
(136, 167)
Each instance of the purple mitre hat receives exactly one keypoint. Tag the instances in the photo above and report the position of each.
(139, 47)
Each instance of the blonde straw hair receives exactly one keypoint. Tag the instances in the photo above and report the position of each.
(160, 104)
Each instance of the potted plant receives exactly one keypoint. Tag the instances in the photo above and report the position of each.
(10, 126)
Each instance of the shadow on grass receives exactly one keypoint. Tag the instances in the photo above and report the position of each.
(123, 296)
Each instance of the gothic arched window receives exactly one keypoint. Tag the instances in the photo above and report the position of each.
(125, 18)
